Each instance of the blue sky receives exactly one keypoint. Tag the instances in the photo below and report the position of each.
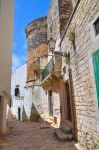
(25, 11)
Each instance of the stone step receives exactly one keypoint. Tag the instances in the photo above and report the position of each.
(62, 136)
(51, 118)
(49, 121)
(66, 129)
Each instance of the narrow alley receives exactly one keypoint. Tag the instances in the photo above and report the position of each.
(49, 75)
(32, 136)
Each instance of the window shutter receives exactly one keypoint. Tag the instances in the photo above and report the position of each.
(96, 72)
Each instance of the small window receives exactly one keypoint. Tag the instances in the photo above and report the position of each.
(17, 92)
(64, 69)
(50, 29)
(96, 26)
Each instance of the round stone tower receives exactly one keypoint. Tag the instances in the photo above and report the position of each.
(36, 33)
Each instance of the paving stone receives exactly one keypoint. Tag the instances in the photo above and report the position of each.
(29, 136)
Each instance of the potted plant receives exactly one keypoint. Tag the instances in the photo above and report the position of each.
(37, 69)
(66, 57)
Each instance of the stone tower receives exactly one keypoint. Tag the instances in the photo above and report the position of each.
(36, 33)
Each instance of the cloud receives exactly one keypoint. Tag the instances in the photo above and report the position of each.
(17, 61)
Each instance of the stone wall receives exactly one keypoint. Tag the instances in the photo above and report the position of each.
(32, 56)
(58, 16)
(53, 21)
(84, 99)
(65, 9)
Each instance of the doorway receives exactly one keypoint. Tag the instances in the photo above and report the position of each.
(50, 103)
(68, 112)
(19, 114)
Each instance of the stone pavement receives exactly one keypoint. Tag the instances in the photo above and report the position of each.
(30, 136)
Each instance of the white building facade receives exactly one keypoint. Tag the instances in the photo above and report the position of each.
(6, 39)
(18, 83)
(27, 99)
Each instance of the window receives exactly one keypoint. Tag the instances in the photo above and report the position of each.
(51, 30)
(95, 58)
(96, 26)
(17, 92)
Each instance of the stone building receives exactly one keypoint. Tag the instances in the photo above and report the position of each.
(58, 16)
(71, 76)
(80, 45)
(6, 39)
(37, 51)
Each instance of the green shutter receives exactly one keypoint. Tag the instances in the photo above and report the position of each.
(95, 57)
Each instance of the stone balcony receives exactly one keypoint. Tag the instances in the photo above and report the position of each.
(52, 71)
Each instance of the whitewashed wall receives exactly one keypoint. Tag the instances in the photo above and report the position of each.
(28, 95)
(18, 78)
(6, 41)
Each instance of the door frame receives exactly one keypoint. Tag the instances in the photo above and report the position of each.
(66, 101)
(19, 114)
(73, 123)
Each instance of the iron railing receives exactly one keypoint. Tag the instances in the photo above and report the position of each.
(48, 69)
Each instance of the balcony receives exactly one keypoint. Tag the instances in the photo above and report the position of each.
(53, 69)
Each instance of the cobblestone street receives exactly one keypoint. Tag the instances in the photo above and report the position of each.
(32, 136)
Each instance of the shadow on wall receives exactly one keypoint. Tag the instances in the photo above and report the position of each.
(35, 115)
(24, 116)
(10, 115)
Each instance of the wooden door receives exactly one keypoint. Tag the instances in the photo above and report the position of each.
(50, 103)
(19, 114)
(68, 113)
